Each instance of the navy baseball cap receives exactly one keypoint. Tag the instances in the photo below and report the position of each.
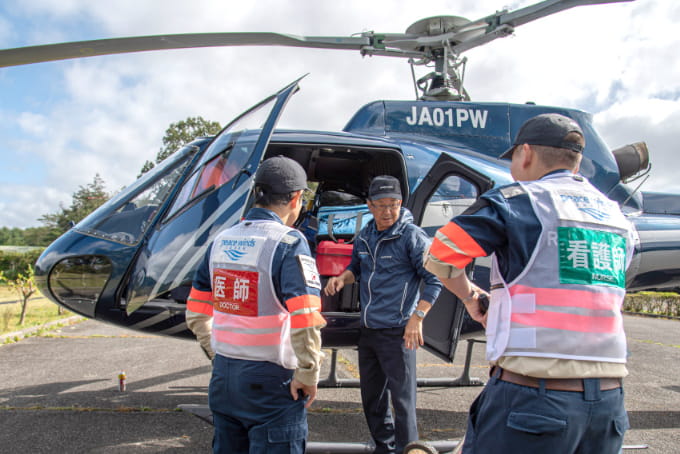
(548, 130)
(384, 186)
(281, 175)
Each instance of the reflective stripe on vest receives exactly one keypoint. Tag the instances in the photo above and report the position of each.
(249, 321)
(305, 311)
(566, 303)
(454, 246)
(200, 302)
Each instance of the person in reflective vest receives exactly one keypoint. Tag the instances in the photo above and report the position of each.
(259, 287)
(560, 249)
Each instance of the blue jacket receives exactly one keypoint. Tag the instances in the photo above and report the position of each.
(389, 268)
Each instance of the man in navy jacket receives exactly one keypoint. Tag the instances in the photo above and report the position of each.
(387, 261)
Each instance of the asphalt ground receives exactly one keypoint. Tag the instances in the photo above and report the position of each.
(59, 393)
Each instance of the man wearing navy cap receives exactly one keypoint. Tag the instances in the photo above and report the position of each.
(554, 328)
(260, 286)
(387, 260)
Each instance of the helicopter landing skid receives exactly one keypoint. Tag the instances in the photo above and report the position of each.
(332, 381)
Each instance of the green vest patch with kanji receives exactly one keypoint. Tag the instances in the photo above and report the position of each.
(591, 257)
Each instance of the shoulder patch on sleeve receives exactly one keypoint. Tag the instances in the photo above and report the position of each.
(289, 238)
(309, 271)
(512, 190)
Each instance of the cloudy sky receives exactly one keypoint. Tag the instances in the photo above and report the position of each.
(63, 122)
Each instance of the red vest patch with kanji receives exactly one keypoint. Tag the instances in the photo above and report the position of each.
(235, 292)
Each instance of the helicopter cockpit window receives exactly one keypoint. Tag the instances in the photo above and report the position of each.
(240, 136)
(226, 157)
(130, 221)
(216, 172)
(453, 196)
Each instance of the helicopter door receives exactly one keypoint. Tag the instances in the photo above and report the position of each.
(212, 197)
(445, 192)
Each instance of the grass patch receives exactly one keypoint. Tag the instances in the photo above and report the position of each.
(40, 311)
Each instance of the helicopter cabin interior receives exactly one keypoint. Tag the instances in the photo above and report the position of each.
(339, 177)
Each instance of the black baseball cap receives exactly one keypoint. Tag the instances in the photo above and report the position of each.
(548, 130)
(384, 186)
(281, 175)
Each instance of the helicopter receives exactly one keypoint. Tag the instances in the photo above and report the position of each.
(131, 261)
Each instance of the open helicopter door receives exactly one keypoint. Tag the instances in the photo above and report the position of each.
(213, 195)
(446, 191)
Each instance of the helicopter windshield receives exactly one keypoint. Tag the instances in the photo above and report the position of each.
(127, 215)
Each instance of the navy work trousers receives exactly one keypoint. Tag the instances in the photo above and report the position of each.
(253, 411)
(507, 417)
(388, 369)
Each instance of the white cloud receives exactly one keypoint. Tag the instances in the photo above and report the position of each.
(107, 115)
(27, 204)
(32, 123)
(654, 121)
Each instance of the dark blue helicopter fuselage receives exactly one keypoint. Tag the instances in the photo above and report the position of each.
(131, 261)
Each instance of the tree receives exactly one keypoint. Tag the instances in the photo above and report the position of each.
(148, 165)
(15, 262)
(24, 286)
(179, 134)
(85, 200)
(38, 236)
(30, 236)
(12, 237)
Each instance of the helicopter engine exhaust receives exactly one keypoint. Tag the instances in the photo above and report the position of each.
(631, 159)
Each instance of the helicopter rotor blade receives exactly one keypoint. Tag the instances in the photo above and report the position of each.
(546, 8)
(64, 51)
(503, 23)
(460, 36)
(465, 35)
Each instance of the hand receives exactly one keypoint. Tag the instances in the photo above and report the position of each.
(333, 286)
(307, 391)
(413, 333)
(474, 309)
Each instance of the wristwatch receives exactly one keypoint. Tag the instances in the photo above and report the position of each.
(420, 314)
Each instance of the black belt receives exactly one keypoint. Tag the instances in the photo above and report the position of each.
(555, 384)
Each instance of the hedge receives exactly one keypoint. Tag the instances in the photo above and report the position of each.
(663, 304)
(15, 261)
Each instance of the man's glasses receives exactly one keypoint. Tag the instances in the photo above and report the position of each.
(390, 207)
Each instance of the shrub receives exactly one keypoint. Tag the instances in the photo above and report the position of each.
(665, 304)
(16, 261)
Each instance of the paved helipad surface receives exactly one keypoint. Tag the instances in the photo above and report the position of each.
(59, 393)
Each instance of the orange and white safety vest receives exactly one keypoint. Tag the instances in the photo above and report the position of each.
(249, 321)
(566, 303)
